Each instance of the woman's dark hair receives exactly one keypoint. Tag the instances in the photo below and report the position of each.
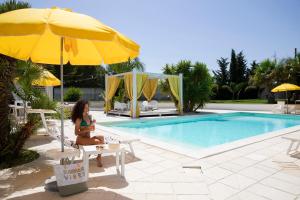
(78, 110)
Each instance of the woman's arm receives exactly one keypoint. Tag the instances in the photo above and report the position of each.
(79, 130)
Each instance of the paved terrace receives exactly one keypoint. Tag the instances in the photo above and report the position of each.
(258, 171)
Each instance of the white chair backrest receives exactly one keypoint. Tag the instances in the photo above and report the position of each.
(145, 103)
(19, 103)
(54, 132)
(154, 104)
(282, 103)
(117, 105)
(123, 106)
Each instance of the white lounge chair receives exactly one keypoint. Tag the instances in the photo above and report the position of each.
(145, 106)
(295, 140)
(153, 104)
(120, 106)
(54, 131)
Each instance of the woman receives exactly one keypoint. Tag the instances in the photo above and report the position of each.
(83, 127)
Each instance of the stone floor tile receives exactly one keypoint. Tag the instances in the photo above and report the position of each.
(134, 175)
(129, 196)
(270, 192)
(282, 185)
(237, 181)
(190, 188)
(246, 196)
(256, 156)
(255, 173)
(271, 164)
(153, 188)
(168, 163)
(140, 164)
(193, 197)
(161, 188)
(233, 167)
(155, 150)
(219, 191)
(216, 173)
(153, 169)
(153, 158)
(285, 176)
(161, 197)
(245, 162)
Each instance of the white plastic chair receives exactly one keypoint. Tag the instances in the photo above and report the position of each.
(120, 106)
(153, 104)
(145, 106)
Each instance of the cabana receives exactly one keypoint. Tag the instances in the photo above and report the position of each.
(138, 83)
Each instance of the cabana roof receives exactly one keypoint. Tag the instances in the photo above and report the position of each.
(150, 75)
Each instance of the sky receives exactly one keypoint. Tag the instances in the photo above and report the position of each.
(198, 30)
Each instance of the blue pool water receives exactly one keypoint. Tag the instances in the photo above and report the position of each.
(207, 130)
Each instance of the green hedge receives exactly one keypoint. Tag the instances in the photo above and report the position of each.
(73, 94)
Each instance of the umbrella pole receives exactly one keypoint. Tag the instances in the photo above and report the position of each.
(62, 92)
(287, 102)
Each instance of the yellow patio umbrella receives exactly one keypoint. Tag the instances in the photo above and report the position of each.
(47, 79)
(285, 87)
(57, 36)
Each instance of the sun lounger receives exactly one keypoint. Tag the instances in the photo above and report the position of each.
(295, 140)
(145, 106)
(54, 131)
(153, 104)
(120, 106)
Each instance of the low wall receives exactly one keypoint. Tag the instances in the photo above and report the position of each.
(98, 105)
(242, 107)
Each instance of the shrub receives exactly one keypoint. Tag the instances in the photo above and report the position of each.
(197, 83)
(73, 94)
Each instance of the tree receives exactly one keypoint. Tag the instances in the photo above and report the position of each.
(81, 76)
(233, 67)
(241, 68)
(26, 73)
(126, 66)
(11, 5)
(264, 76)
(7, 75)
(196, 80)
(221, 75)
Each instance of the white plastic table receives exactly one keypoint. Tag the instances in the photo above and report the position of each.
(42, 113)
(91, 150)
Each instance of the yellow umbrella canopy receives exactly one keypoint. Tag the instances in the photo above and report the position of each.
(56, 36)
(47, 79)
(285, 87)
(36, 34)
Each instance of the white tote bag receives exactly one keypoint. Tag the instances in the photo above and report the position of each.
(71, 177)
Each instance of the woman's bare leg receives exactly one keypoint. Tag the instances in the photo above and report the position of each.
(100, 138)
(91, 141)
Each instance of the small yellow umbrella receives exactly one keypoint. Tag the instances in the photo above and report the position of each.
(285, 87)
(57, 36)
(47, 79)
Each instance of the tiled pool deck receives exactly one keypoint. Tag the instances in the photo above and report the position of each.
(254, 172)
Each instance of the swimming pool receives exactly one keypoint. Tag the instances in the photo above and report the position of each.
(204, 131)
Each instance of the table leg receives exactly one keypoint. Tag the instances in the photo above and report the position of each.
(86, 164)
(117, 161)
(44, 121)
(122, 163)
